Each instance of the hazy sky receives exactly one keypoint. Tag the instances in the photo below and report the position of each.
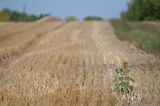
(61, 8)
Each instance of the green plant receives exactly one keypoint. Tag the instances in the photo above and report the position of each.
(71, 18)
(122, 81)
(91, 18)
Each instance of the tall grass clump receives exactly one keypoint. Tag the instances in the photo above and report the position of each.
(144, 35)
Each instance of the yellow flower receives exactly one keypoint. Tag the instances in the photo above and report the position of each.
(125, 63)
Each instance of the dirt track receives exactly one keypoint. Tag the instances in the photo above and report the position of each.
(70, 63)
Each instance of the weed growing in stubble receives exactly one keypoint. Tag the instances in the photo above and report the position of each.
(123, 83)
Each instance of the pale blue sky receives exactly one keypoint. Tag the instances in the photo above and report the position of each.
(106, 9)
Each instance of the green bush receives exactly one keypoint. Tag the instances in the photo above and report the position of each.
(90, 18)
(5, 15)
(71, 18)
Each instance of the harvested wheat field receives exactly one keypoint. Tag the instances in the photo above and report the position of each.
(71, 64)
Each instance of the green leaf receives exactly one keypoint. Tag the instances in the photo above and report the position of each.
(129, 79)
(124, 85)
(117, 89)
(131, 88)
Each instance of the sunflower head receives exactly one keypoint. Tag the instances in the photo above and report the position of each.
(125, 63)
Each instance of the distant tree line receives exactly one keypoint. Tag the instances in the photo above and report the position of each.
(87, 18)
(142, 10)
(8, 15)
(90, 18)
